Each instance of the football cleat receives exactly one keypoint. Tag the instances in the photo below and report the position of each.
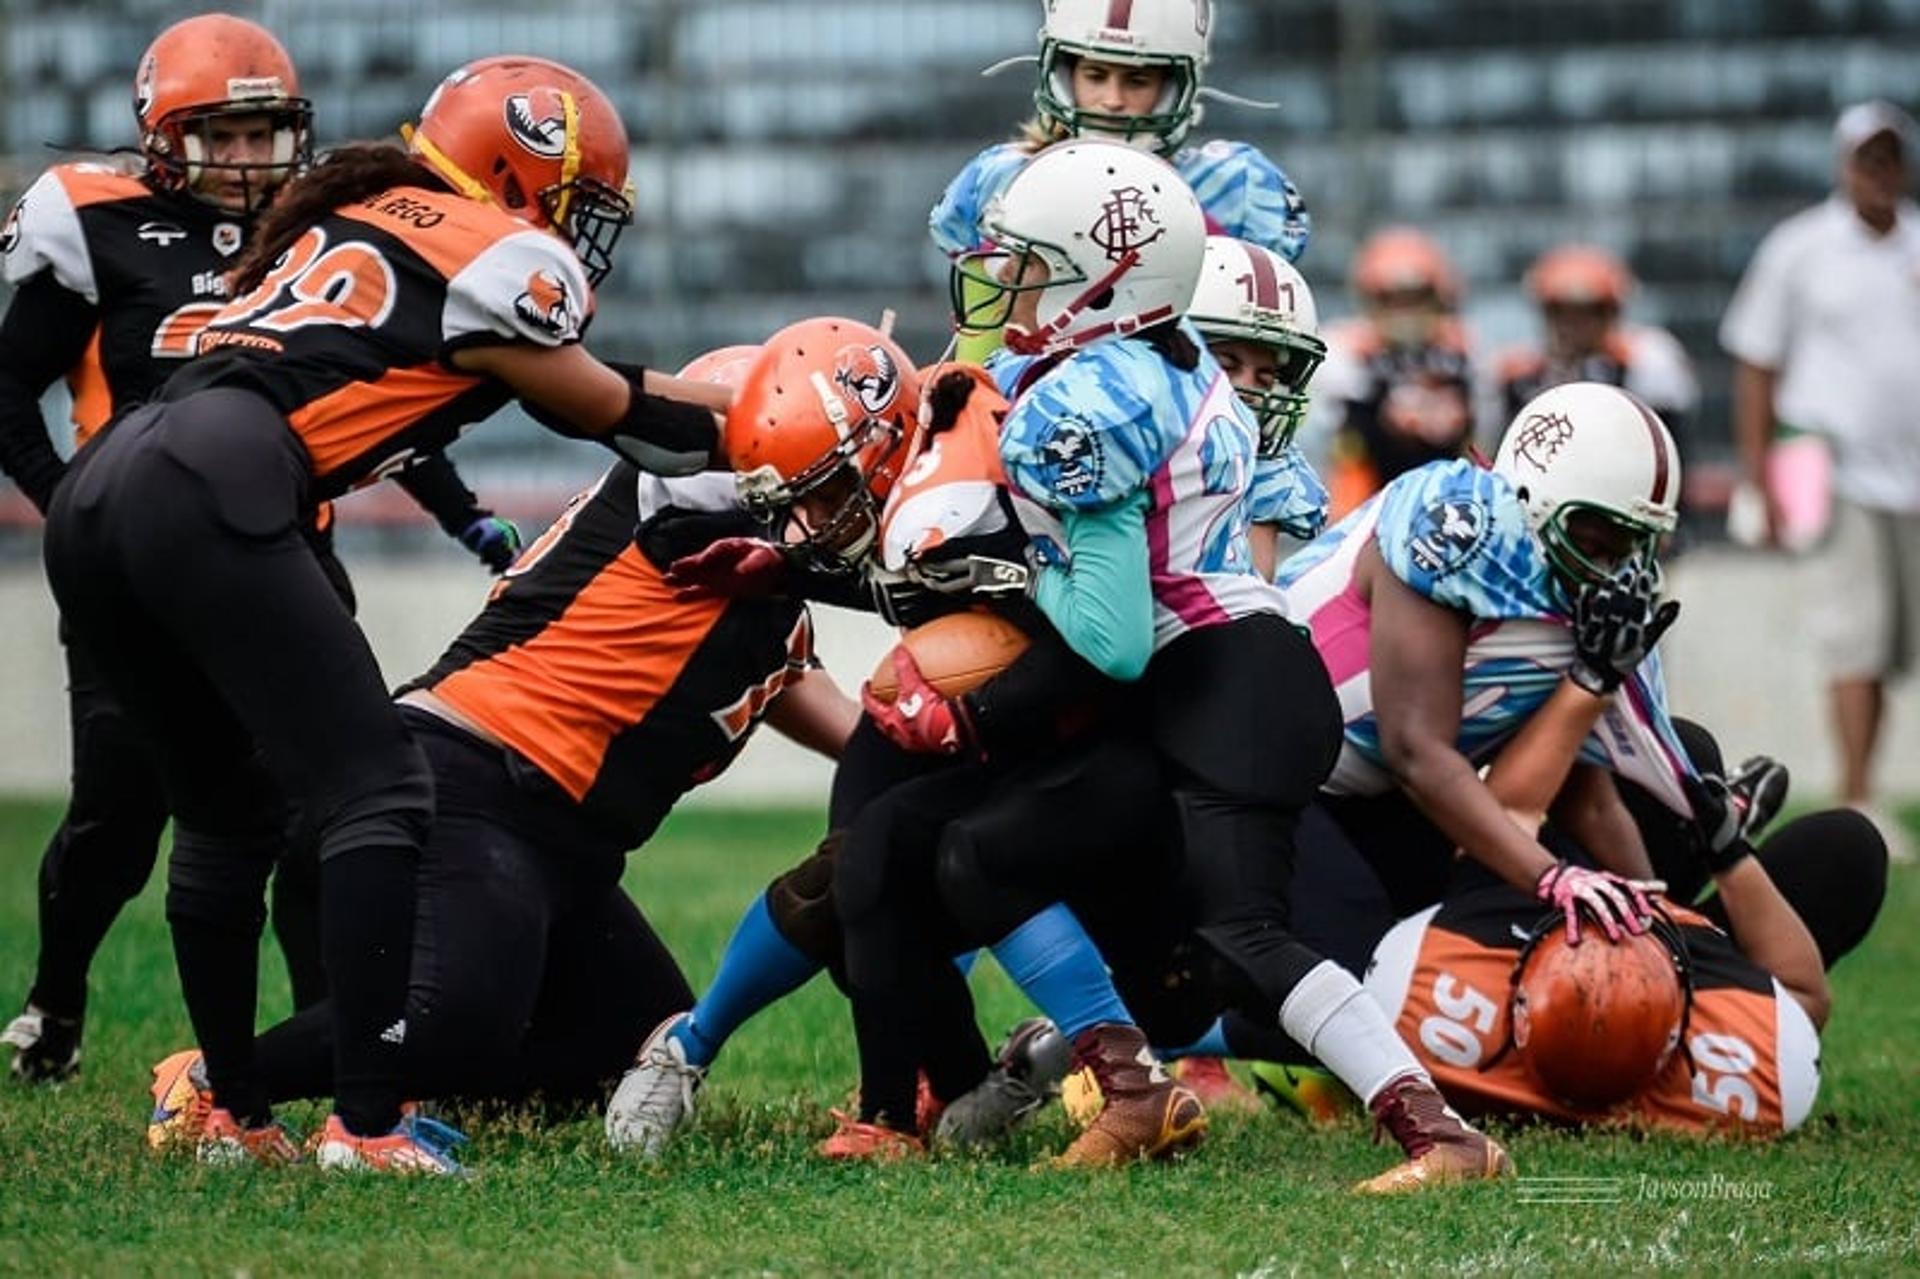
(655, 1097)
(226, 1142)
(1441, 1147)
(417, 1146)
(1144, 1113)
(1026, 1071)
(1309, 1091)
(46, 1048)
(1759, 787)
(856, 1139)
(182, 1101)
(1211, 1081)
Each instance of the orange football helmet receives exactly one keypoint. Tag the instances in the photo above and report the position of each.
(1596, 1023)
(819, 432)
(726, 365)
(538, 139)
(210, 66)
(1404, 260)
(1579, 275)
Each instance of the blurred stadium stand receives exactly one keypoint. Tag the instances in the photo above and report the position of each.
(786, 154)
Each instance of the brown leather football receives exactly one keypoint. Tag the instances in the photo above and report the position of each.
(957, 653)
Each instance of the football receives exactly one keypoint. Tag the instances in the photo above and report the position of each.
(957, 653)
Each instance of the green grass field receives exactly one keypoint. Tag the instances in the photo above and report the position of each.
(79, 1193)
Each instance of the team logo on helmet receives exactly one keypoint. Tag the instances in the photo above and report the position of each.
(546, 304)
(10, 233)
(538, 122)
(143, 86)
(1127, 223)
(1542, 436)
(867, 375)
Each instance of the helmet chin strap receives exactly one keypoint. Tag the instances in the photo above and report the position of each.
(442, 164)
(1041, 340)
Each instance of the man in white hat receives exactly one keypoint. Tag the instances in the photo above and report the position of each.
(1825, 332)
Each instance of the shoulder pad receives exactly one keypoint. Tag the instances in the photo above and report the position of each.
(44, 232)
(1456, 533)
(526, 286)
(1086, 434)
(1247, 196)
(954, 222)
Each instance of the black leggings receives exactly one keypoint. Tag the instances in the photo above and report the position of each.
(174, 548)
(533, 972)
(102, 855)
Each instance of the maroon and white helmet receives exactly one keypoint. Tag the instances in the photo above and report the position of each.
(1118, 231)
(1584, 454)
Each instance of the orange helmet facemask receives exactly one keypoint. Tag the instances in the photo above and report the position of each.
(211, 67)
(539, 140)
(819, 432)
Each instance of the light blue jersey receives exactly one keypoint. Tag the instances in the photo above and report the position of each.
(1288, 493)
(1117, 419)
(1242, 193)
(1457, 534)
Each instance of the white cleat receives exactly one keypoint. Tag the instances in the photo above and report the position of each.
(655, 1097)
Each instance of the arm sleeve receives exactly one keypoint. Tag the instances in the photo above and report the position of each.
(1249, 197)
(437, 487)
(45, 333)
(1103, 604)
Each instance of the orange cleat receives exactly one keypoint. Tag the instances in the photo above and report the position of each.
(416, 1146)
(1209, 1079)
(855, 1139)
(181, 1102)
(225, 1141)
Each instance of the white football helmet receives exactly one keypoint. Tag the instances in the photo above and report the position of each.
(1250, 294)
(1118, 232)
(1134, 33)
(1584, 456)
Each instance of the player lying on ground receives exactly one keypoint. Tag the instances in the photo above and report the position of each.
(1714, 1024)
(389, 299)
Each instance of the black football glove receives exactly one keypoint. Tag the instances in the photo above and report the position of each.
(1616, 623)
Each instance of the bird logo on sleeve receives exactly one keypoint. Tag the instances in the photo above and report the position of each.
(547, 305)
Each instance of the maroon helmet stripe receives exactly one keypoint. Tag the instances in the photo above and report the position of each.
(1266, 282)
(1119, 14)
(1662, 464)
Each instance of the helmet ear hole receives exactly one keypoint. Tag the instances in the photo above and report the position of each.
(1102, 302)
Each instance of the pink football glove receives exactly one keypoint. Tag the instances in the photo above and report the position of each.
(1617, 902)
(735, 568)
(919, 719)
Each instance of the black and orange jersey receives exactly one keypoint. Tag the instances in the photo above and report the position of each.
(1752, 1059)
(1650, 362)
(361, 313)
(114, 280)
(585, 664)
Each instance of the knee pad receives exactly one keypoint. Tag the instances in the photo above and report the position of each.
(218, 880)
(395, 811)
(984, 909)
(801, 904)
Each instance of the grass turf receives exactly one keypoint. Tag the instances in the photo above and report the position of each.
(80, 1194)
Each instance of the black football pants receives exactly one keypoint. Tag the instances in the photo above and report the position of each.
(533, 973)
(175, 550)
